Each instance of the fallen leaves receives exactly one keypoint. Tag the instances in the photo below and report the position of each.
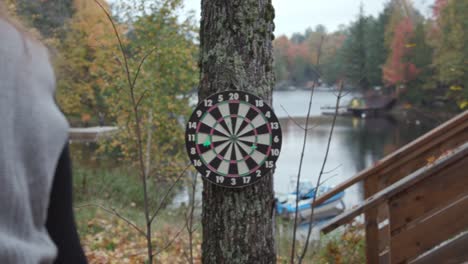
(108, 240)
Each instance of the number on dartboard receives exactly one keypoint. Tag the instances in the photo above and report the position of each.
(191, 137)
(233, 96)
(233, 138)
(192, 125)
(208, 102)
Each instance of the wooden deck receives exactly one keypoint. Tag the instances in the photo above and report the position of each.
(91, 134)
(420, 192)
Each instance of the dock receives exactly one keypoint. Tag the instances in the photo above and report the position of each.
(91, 134)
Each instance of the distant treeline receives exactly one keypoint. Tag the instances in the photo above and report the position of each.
(424, 60)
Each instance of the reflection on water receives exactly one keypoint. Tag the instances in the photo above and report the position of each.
(356, 143)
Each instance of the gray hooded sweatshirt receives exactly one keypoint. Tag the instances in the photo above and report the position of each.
(32, 135)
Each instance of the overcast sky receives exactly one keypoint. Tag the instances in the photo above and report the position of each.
(297, 15)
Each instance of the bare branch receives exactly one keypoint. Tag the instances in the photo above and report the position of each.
(304, 251)
(137, 73)
(293, 248)
(141, 97)
(166, 195)
(170, 242)
(297, 123)
(114, 212)
(332, 170)
(117, 35)
(190, 228)
(291, 118)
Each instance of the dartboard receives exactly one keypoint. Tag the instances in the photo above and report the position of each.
(233, 138)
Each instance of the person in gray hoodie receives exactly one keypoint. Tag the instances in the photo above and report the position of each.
(36, 216)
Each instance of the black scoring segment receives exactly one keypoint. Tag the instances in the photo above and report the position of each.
(234, 109)
(225, 150)
(215, 163)
(263, 129)
(251, 164)
(217, 115)
(233, 170)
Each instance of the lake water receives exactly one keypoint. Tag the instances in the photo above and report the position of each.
(356, 143)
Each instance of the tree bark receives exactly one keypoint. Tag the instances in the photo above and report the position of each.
(236, 54)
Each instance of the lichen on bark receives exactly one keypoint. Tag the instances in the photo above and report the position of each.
(236, 54)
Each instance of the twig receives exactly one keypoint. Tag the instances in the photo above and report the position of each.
(137, 73)
(295, 121)
(166, 195)
(148, 142)
(291, 118)
(113, 212)
(293, 248)
(332, 170)
(172, 240)
(304, 251)
(137, 132)
(190, 228)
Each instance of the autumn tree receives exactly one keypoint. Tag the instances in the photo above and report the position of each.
(165, 79)
(47, 16)
(236, 54)
(86, 64)
(451, 52)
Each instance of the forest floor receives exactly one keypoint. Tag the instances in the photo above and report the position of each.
(107, 238)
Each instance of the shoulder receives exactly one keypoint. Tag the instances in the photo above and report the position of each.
(26, 56)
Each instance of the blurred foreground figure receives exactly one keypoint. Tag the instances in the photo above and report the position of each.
(36, 216)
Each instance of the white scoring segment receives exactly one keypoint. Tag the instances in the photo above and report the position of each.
(216, 138)
(223, 167)
(227, 155)
(242, 112)
(244, 147)
(258, 157)
(225, 112)
(242, 167)
(220, 148)
(201, 138)
(246, 129)
(208, 156)
(210, 121)
(258, 121)
(238, 153)
(264, 139)
(248, 139)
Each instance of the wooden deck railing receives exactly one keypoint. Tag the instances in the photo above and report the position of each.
(394, 168)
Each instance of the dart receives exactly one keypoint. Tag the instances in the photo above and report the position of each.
(207, 142)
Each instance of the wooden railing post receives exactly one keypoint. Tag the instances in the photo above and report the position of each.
(372, 229)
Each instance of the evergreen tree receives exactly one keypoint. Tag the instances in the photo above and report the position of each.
(355, 53)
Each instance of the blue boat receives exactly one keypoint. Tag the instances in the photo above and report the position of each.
(286, 204)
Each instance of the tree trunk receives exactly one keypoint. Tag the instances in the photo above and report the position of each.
(236, 54)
